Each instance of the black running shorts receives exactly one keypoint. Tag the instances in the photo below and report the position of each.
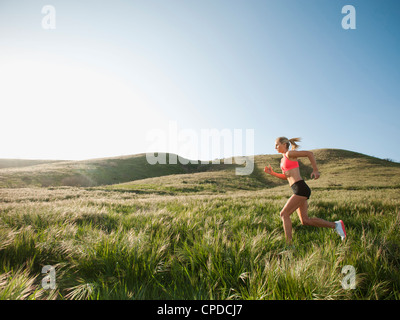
(300, 188)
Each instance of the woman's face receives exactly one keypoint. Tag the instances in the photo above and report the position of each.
(281, 148)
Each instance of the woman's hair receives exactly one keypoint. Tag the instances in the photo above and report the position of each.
(287, 141)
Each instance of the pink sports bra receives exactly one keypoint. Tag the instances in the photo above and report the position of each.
(287, 164)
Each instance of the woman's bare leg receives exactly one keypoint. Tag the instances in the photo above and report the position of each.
(291, 205)
(315, 222)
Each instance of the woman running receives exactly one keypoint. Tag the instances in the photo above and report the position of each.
(298, 201)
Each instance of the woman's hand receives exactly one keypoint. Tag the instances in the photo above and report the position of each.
(268, 169)
(316, 174)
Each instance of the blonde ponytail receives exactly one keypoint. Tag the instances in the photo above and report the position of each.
(288, 142)
(294, 144)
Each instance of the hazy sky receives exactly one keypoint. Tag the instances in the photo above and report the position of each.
(113, 71)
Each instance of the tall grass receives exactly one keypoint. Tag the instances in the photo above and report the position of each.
(113, 245)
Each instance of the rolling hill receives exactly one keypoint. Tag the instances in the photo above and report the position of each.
(89, 173)
(339, 169)
(16, 163)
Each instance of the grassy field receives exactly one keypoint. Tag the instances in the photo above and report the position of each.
(197, 232)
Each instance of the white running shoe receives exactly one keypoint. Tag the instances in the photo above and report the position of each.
(339, 228)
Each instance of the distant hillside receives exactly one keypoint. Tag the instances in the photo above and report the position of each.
(339, 169)
(89, 173)
(17, 163)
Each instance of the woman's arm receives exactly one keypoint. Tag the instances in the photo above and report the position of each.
(272, 173)
(309, 155)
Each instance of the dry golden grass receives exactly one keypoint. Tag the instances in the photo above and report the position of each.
(204, 235)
